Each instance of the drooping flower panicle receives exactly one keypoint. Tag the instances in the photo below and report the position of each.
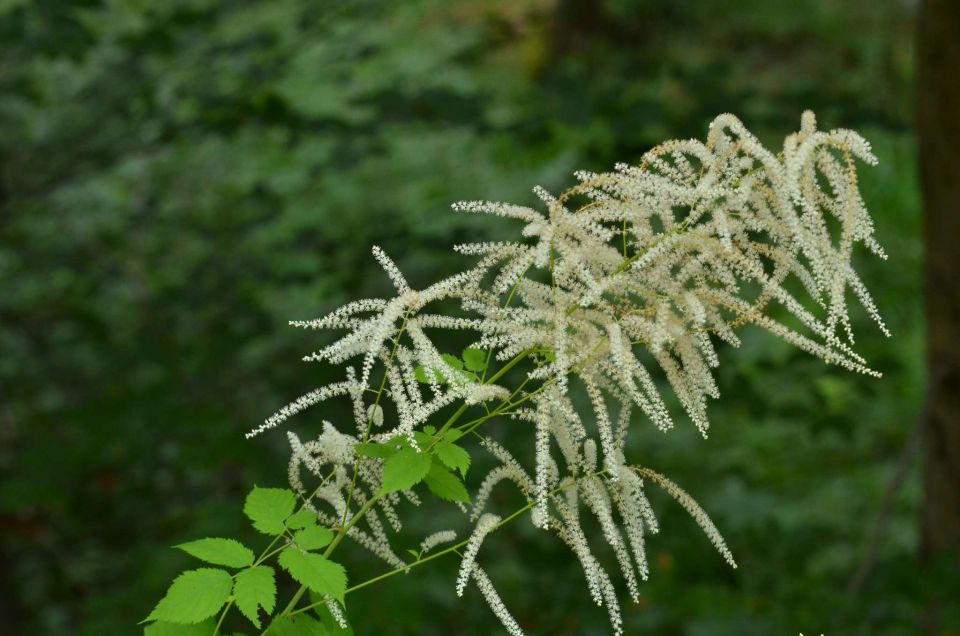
(623, 282)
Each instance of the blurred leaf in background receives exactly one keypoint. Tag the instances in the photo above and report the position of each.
(178, 179)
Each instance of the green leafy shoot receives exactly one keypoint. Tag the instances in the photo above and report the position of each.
(420, 373)
(423, 438)
(453, 361)
(548, 354)
(466, 367)
(459, 365)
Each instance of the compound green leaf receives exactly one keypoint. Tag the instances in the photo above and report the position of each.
(420, 373)
(372, 449)
(453, 434)
(453, 361)
(423, 438)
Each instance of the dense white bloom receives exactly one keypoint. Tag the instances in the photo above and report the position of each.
(435, 539)
(613, 288)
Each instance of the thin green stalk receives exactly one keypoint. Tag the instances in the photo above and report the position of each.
(223, 615)
(353, 521)
(513, 362)
(288, 610)
(271, 553)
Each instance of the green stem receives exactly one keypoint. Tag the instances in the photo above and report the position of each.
(270, 554)
(513, 362)
(223, 615)
(266, 554)
(288, 610)
(353, 521)
(463, 407)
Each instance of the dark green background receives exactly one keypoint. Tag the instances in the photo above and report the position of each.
(178, 179)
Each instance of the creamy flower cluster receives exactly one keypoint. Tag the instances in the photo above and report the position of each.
(617, 286)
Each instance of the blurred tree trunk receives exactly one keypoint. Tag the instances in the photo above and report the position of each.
(938, 129)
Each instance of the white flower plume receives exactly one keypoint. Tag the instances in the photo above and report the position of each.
(622, 283)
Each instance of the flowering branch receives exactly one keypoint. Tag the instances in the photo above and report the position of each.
(622, 285)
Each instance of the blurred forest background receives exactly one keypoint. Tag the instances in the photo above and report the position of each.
(179, 179)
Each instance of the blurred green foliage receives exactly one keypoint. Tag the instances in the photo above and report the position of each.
(178, 179)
